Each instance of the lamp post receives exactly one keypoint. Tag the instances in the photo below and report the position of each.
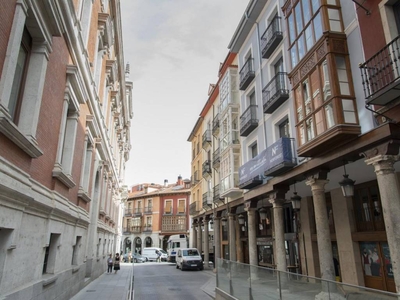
(296, 205)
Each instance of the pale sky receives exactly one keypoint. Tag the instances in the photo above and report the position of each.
(174, 48)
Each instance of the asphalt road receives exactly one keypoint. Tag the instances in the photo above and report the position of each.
(162, 281)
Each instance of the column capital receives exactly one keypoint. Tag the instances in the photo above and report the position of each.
(316, 184)
(277, 197)
(383, 164)
(390, 148)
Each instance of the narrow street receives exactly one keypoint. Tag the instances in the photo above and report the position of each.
(163, 281)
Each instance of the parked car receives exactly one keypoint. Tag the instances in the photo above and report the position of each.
(189, 258)
(125, 257)
(137, 258)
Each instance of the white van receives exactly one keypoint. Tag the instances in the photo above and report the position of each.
(175, 242)
(189, 258)
(151, 254)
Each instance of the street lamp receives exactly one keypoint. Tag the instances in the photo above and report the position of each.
(296, 200)
(241, 219)
(224, 221)
(263, 213)
(347, 184)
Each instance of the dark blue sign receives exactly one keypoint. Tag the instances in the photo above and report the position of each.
(276, 154)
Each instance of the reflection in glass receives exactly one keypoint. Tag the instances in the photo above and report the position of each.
(330, 119)
(299, 20)
(318, 26)
(292, 29)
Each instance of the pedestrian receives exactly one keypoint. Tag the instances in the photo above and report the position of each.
(158, 255)
(109, 264)
(130, 257)
(116, 263)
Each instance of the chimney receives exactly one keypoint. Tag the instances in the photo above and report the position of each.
(165, 182)
(180, 181)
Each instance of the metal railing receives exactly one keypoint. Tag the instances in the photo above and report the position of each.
(270, 35)
(248, 120)
(382, 69)
(243, 281)
(246, 73)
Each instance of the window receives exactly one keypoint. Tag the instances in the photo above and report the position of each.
(168, 207)
(19, 76)
(75, 250)
(181, 206)
(305, 25)
(149, 221)
(253, 150)
(284, 129)
(22, 89)
(51, 253)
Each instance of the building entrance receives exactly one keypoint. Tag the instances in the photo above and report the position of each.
(377, 266)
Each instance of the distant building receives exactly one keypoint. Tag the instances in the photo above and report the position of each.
(65, 111)
(154, 212)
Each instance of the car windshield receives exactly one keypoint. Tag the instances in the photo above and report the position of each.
(163, 251)
(190, 253)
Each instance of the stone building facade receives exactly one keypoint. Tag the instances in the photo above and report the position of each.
(65, 111)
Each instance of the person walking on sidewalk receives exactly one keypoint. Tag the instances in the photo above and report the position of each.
(116, 263)
(109, 264)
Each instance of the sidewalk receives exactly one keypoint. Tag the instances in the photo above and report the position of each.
(107, 286)
(115, 286)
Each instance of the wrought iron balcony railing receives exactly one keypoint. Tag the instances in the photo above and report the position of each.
(206, 167)
(216, 159)
(206, 139)
(271, 37)
(148, 210)
(275, 93)
(381, 75)
(246, 74)
(148, 228)
(217, 199)
(128, 212)
(207, 200)
(193, 209)
(248, 120)
(137, 212)
(195, 178)
(215, 126)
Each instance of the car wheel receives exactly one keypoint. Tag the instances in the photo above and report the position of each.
(177, 266)
(181, 267)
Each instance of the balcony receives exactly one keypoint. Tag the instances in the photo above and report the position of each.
(128, 212)
(216, 159)
(206, 139)
(148, 228)
(126, 230)
(137, 212)
(380, 75)
(193, 209)
(148, 210)
(248, 120)
(230, 141)
(271, 37)
(174, 224)
(206, 169)
(136, 229)
(229, 186)
(215, 126)
(246, 74)
(195, 178)
(275, 93)
(217, 196)
(207, 200)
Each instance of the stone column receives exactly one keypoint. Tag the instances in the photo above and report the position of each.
(199, 238)
(239, 251)
(251, 219)
(389, 188)
(217, 241)
(206, 243)
(232, 238)
(194, 236)
(277, 199)
(323, 233)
